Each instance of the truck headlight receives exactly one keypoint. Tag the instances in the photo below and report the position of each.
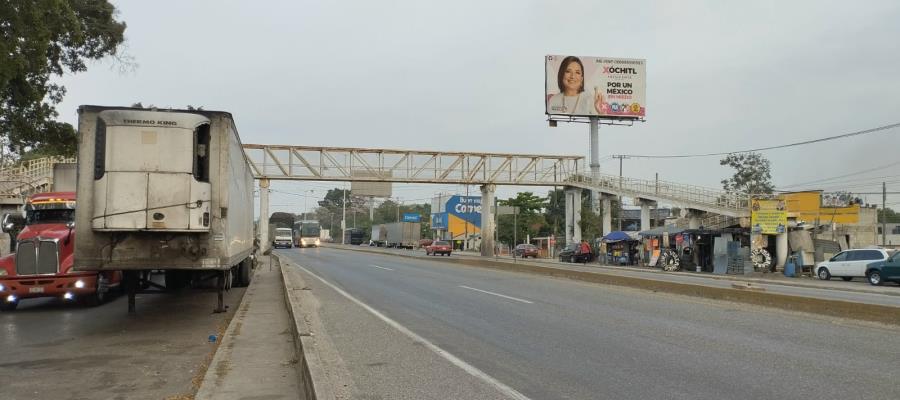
(2, 288)
(79, 284)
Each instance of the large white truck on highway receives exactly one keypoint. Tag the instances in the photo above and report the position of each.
(163, 190)
(397, 234)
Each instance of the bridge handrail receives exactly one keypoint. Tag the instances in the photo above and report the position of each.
(664, 189)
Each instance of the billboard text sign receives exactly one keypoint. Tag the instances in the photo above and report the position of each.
(595, 86)
(411, 217)
(768, 217)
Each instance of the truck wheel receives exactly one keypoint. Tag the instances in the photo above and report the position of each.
(244, 274)
(7, 306)
(94, 299)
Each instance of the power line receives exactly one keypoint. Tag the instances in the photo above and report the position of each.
(846, 175)
(805, 142)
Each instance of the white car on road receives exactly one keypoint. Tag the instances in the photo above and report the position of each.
(850, 264)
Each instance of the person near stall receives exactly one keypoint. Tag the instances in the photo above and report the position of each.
(585, 251)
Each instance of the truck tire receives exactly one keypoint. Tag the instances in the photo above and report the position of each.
(7, 306)
(99, 296)
(244, 273)
(94, 299)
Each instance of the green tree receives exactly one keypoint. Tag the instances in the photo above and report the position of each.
(529, 221)
(43, 39)
(753, 174)
(554, 213)
(889, 216)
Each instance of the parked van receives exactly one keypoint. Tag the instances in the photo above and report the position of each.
(850, 264)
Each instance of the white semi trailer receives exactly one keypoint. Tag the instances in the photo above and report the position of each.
(163, 190)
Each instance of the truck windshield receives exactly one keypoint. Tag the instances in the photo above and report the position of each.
(49, 216)
(309, 231)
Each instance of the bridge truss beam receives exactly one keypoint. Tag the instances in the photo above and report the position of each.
(282, 162)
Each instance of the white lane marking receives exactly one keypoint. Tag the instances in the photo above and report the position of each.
(470, 369)
(373, 265)
(498, 294)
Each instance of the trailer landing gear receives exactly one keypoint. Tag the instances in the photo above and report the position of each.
(220, 289)
(131, 285)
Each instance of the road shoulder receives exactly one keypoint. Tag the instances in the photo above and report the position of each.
(363, 354)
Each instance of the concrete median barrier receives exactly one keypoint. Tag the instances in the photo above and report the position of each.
(312, 372)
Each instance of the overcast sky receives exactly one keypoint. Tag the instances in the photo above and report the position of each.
(469, 76)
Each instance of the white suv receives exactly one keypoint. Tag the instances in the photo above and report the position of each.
(850, 264)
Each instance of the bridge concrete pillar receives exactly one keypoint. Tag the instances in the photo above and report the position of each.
(263, 225)
(645, 212)
(693, 217)
(607, 215)
(781, 251)
(573, 215)
(487, 220)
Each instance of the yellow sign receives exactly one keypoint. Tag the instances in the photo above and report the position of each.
(807, 206)
(768, 217)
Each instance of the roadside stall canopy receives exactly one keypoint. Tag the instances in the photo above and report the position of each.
(615, 236)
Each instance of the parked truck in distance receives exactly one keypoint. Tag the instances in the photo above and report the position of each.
(379, 235)
(41, 265)
(163, 190)
(404, 235)
(354, 236)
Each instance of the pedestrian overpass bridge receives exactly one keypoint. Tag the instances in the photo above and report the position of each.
(312, 163)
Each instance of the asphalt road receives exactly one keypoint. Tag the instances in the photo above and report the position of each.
(50, 350)
(559, 339)
(857, 290)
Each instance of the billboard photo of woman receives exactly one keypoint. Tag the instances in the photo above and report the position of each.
(572, 98)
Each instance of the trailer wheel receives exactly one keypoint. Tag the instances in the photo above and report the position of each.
(99, 296)
(244, 273)
(94, 299)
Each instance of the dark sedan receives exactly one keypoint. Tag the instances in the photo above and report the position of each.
(888, 270)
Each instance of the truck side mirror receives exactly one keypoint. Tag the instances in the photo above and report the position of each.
(12, 223)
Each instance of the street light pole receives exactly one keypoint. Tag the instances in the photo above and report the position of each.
(620, 157)
(344, 218)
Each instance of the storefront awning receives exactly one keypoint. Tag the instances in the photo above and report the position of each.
(659, 231)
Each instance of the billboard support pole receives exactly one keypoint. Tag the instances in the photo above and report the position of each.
(595, 162)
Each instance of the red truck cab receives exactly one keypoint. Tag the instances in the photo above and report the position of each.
(41, 266)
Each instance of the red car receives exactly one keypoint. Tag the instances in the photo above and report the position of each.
(526, 250)
(438, 247)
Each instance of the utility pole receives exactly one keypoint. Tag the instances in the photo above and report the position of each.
(466, 219)
(344, 217)
(883, 214)
(620, 157)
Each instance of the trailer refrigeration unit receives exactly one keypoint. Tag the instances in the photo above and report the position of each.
(164, 190)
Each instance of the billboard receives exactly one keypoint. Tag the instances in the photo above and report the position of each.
(370, 188)
(411, 217)
(768, 217)
(595, 86)
(462, 215)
